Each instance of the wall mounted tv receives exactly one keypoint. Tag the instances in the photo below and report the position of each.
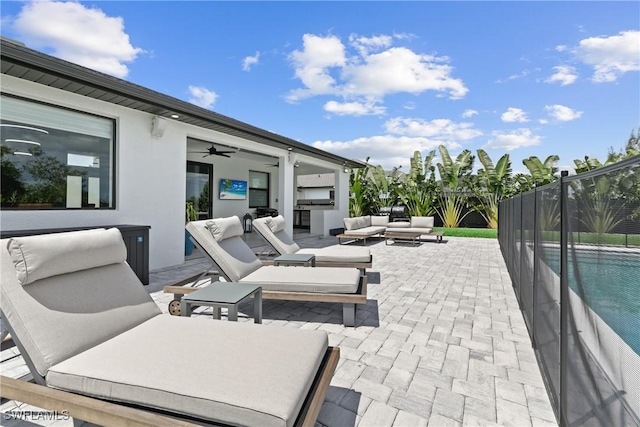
(232, 189)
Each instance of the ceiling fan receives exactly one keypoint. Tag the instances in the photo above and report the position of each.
(212, 151)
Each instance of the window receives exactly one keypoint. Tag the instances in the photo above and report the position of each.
(258, 189)
(54, 157)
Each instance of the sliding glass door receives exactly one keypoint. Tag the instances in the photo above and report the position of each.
(199, 187)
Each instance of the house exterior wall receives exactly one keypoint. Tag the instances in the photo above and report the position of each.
(151, 176)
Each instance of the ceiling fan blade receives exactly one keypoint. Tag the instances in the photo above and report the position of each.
(223, 155)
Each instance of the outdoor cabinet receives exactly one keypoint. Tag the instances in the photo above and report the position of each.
(136, 239)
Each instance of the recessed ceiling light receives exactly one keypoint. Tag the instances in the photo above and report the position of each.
(175, 116)
(290, 149)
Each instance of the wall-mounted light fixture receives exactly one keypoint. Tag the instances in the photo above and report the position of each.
(158, 126)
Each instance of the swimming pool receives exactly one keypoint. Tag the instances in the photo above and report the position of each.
(609, 282)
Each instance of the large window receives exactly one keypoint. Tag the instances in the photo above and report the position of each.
(54, 157)
(258, 189)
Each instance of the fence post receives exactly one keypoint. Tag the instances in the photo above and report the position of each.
(534, 292)
(564, 298)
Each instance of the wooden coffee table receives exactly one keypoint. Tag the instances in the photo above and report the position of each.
(400, 235)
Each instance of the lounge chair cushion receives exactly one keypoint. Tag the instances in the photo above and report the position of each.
(306, 279)
(339, 254)
(279, 240)
(224, 228)
(239, 381)
(39, 257)
(422, 222)
(277, 224)
(381, 220)
(231, 254)
(56, 321)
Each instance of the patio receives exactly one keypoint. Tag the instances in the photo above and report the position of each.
(441, 341)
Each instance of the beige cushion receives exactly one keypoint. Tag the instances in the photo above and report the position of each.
(232, 255)
(381, 220)
(306, 279)
(411, 230)
(367, 220)
(277, 224)
(422, 222)
(242, 374)
(367, 231)
(63, 315)
(351, 223)
(280, 241)
(39, 257)
(224, 228)
(339, 253)
(399, 224)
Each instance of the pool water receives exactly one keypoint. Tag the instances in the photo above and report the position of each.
(609, 282)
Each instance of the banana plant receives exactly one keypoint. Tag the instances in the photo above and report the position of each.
(492, 182)
(453, 177)
(542, 173)
(359, 197)
(419, 189)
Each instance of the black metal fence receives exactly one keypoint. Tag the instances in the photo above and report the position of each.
(572, 249)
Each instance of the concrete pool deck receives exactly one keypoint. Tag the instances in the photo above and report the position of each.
(441, 341)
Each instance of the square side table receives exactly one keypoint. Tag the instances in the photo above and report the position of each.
(304, 260)
(227, 295)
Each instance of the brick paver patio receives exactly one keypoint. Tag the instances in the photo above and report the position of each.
(441, 341)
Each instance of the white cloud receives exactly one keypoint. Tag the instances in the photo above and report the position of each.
(354, 108)
(250, 61)
(543, 121)
(561, 48)
(366, 44)
(514, 115)
(564, 74)
(611, 56)
(409, 106)
(325, 67)
(510, 141)
(202, 97)
(469, 113)
(441, 129)
(562, 113)
(313, 63)
(403, 136)
(73, 32)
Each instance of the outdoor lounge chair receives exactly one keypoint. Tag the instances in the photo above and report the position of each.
(99, 348)
(221, 240)
(272, 230)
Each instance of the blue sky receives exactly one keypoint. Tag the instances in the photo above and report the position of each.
(373, 79)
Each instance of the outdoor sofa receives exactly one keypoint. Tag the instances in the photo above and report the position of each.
(374, 225)
(272, 230)
(99, 348)
(221, 240)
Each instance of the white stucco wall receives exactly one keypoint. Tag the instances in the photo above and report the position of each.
(151, 176)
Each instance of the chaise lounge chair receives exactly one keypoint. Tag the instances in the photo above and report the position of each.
(99, 348)
(272, 230)
(221, 240)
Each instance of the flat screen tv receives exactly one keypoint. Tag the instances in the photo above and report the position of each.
(232, 189)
